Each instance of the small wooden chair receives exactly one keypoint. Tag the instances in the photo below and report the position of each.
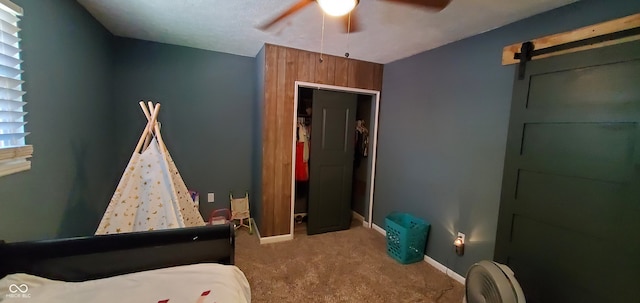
(240, 211)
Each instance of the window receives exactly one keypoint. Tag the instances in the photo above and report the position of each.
(14, 153)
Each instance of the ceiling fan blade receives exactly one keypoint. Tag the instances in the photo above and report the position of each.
(353, 25)
(296, 7)
(432, 4)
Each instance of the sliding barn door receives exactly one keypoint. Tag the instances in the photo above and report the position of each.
(569, 218)
(331, 161)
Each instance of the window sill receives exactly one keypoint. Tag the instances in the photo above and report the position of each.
(15, 159)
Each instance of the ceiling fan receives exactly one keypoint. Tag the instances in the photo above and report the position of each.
(343, 8)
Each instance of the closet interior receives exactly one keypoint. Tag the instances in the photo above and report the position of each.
(303, 157)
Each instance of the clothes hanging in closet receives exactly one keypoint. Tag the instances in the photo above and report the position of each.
(302, 153)
(361, 144)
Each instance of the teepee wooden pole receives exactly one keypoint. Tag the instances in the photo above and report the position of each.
(151, 109)
(163, 148)
(147, 112)
(156, 130)
(150, 125)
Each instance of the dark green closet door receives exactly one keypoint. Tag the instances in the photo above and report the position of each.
(569, 223)
(331, 161)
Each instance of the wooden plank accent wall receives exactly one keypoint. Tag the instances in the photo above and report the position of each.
(284, 66)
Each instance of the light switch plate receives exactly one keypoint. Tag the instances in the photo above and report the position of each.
(210, 197)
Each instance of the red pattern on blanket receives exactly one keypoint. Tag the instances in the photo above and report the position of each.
(203, 295)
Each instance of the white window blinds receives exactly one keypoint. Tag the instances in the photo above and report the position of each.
(14, 153)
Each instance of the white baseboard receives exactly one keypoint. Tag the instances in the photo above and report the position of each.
(255, 226)
(275, 239)
(454, 275)
(357, 216)
(272, 239)
(379, 229)
(360, 218)
(437, 265)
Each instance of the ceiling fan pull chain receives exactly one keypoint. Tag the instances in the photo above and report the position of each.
(348, 32)
(322, 38)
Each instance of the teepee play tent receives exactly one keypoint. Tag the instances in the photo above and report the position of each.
(151, 194)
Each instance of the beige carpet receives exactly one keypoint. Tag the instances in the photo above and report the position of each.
(345, 266)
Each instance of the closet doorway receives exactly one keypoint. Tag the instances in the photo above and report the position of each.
(334, 153)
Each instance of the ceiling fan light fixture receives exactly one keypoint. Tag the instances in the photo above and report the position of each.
(337, 7)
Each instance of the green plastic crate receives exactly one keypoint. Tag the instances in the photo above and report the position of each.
(406, 237)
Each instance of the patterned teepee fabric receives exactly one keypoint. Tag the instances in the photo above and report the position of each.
(151, 195)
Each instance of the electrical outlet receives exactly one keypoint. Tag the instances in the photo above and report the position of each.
(461, 235)
(210, 197)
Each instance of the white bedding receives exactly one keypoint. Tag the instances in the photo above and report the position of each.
(199, 283)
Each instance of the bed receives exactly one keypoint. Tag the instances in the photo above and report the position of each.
(192, 264)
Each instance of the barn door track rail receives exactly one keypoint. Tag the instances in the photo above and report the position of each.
(612, 32)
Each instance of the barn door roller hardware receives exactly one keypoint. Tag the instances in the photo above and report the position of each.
(528, 51)
(525, 55)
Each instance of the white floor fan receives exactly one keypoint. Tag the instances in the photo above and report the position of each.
(491, 282)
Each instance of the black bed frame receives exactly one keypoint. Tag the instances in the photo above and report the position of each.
(93, 257)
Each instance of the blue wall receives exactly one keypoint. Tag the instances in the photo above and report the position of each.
(83, 85)
(207, 112)
(443, 127)
(67, 69)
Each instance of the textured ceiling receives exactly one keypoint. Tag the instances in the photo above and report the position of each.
(390, 31)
